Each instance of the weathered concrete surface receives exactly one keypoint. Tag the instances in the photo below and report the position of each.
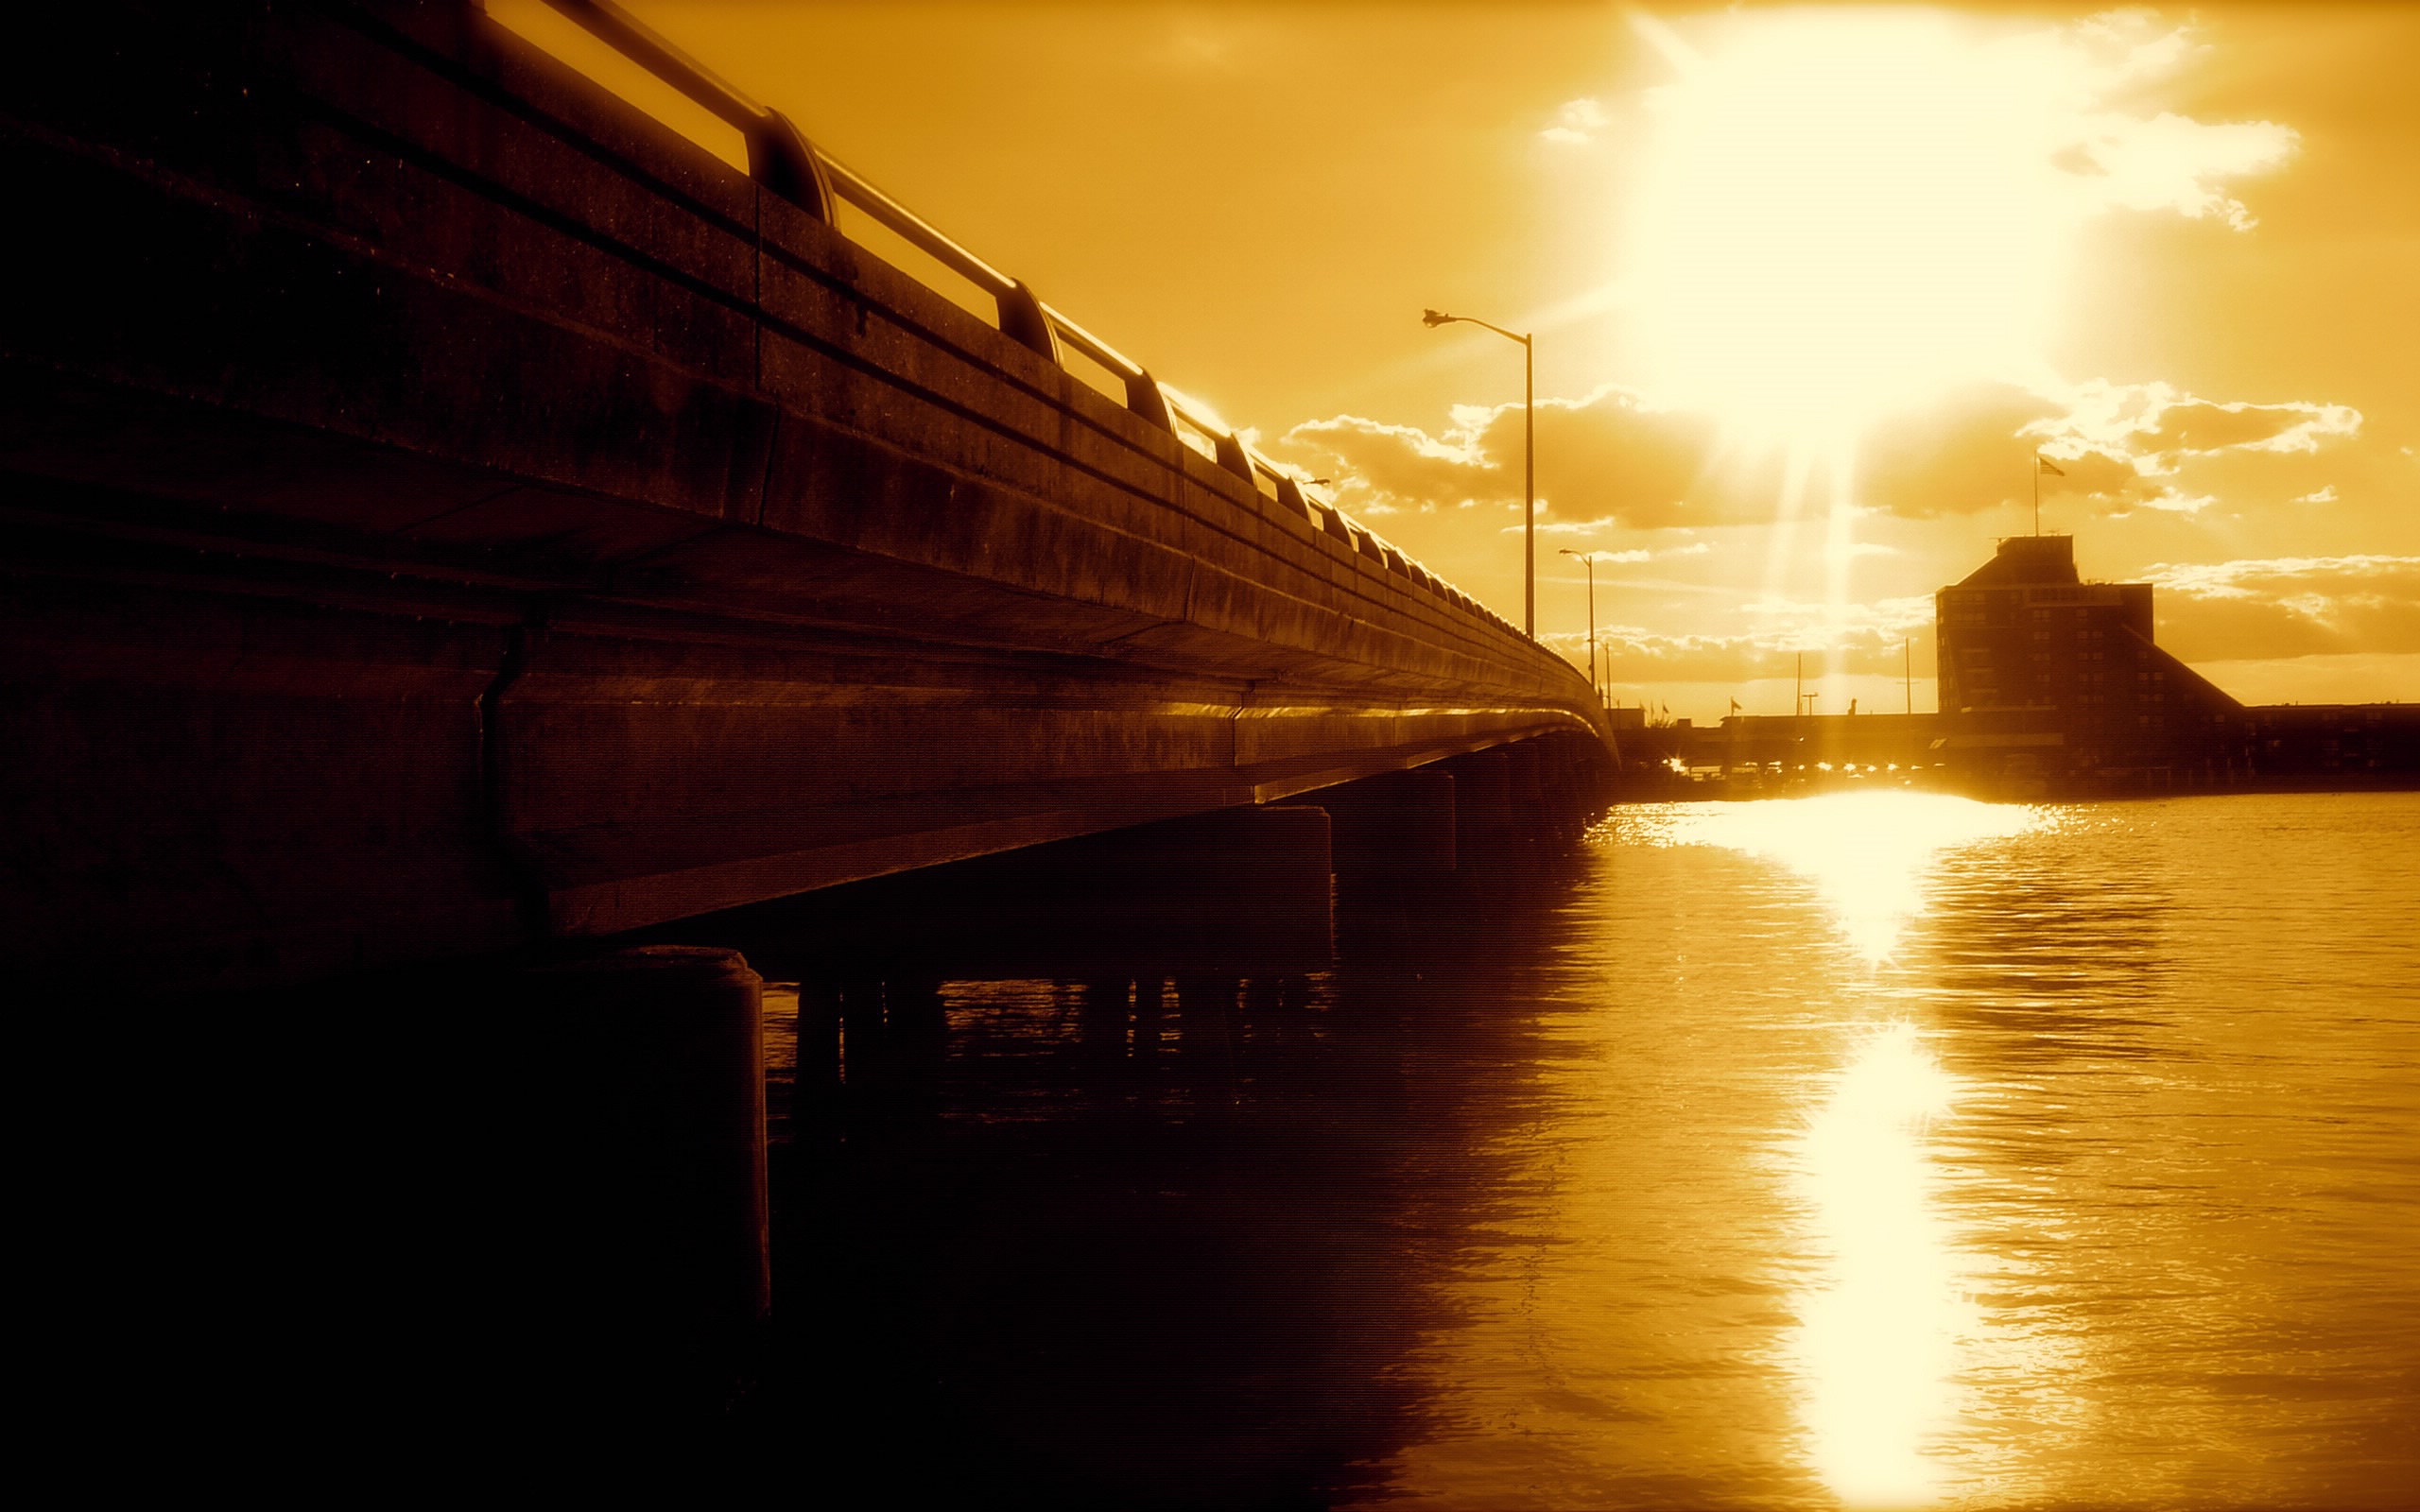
(441, 508)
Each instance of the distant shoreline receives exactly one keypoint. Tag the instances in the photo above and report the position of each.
(1667, 787)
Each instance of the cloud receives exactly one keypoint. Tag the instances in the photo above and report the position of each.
(1574, 528)
(2242, 579)
(2202, 428)
(2159, 421)
(1578, 122)
(1377, 462)
(1799, 624)
(2175, 501)
(1960, 455)
(2280, 608)
(2173, 163)
(2130, 45)
(2322, 495)
(2126, 446)
(1646, 656)
(2165, 161)
(1619, 463)
(1776, 632)
(1610, 461)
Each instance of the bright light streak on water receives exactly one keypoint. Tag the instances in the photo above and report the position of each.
(1878, 1340)
(1868, 853)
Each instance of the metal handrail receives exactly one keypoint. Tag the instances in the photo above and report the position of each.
(782, 159)
(779, 155)
(1144, 396)
(1024, 319)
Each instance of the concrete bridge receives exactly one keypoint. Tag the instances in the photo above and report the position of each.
(445, 509)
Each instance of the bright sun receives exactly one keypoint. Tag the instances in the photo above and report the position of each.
(1842, 215)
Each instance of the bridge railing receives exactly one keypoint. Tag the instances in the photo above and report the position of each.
(783, 159)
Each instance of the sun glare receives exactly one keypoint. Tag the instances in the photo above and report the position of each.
(1843, 213)
(1870, 855)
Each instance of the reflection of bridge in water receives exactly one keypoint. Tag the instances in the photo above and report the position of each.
(449, 510)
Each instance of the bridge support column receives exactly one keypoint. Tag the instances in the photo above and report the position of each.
(898, 1037)
(815, 1097)
(1267, 874)
(1482, 806)
(1570, 794)
(1391, 832)
(640, 1236)
(1248, 888)
(1527, 777)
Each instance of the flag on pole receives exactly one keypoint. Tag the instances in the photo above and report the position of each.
(2048, 467)
(1734, 706)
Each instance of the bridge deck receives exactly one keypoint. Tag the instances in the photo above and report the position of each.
(442, 505)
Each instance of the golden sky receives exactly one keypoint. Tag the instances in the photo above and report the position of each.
(1809, 288)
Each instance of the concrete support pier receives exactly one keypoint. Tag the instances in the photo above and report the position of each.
(1244, 890)
(1392, 833)
(1248, 882)
(1483, 817)
(1527, 776)
(642, 1250)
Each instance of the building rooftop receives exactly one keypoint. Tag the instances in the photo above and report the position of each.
(2027, 560)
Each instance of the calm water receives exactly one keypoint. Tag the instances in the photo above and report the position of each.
(1870, 1150)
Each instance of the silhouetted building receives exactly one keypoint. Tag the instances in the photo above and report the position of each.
(2043, 673)
(2050, 684)
(2045, 676)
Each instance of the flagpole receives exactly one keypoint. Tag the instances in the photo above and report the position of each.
(2038, 493)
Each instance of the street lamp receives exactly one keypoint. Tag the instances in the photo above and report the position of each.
(1529, 466)
(1589, 559)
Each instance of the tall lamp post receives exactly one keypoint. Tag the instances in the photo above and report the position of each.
(1589, 559)
(1529, 464)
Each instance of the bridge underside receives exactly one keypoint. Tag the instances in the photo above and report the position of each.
(438, 511)
(262, 759)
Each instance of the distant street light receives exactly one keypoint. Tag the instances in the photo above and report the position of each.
(1589, 559)
(1529, 465)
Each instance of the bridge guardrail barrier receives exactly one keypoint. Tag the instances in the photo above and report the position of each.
(785, 160)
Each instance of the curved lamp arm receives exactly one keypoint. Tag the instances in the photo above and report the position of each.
(1437, 317)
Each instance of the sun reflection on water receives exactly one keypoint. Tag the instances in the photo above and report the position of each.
(1880, 1332)
(1886, 1322)
(1868, 853)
